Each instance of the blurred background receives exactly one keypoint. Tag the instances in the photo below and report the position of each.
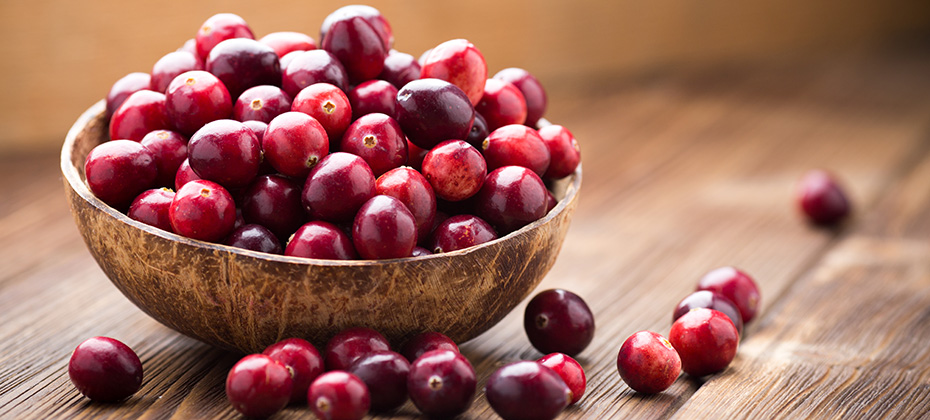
(59, 57)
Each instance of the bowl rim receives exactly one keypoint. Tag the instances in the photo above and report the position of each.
(79, 186)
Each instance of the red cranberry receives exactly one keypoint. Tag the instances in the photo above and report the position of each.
(557, 320)
(338, 396)
(256, 238)
(357, 45)
(170, 66)
(385, 375)
(550, 201)
(258, 386)
(337, 187)
(706, 341)
(648, 363)
(127, 85)
(419, 251)
(460, 63)
(202, 210)
(241, 63)
(225, 152)
(218, 28)
(399, 69)
(441, 383)
(373, 96)
(312, 67)
(329, 105)
(190, 46)
(285, 42)
(261, 103)
(140, 113)
(151, 208)
(185, 174)
(432, 111)
(736, 286)
(321, 240)
(569, 370)
(412, 189)
(527, 390)
(822, 199)
(516, 145)
(369, 14)
(511, 198)
(104, 369)
(169, 149)
(455, 170)
(195, 98)
(119, 170)
(460, 232)
(415, 156)
(426, 342)
(532, 91)
(501, 104)
(710, 300)
(377, 139)
(352, 344)
(258, 129)
(294, 143)
(302, 359)
(273, 201)
(384, 228)
(563, 151)
(479, 132)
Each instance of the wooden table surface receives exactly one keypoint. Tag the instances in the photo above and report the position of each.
(685, 171)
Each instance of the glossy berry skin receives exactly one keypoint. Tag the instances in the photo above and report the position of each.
(338, 395)
(218, 28)
(377, 139)
(185, 174)
(369, 14)
(432, 111)
(550, 201)
(516, 145)
(273, 201)
(532, 91)
(169, 149)
(321, 240)
(170, 66)
(414, 191)
(419, 251)
(258, 386)
(821, 198)
(203, 210)
(385, 375)
(357, 46)
(558, 321)
(352, 344)
(140, 113)
(105, 370)
(648, 363)
(460, 63)
(255, 238)
(383, 229)
(569, 370)
(735, 285)
(415, 156)
(565, 155)
(511, 197)
(225, 152)
(706, 341)
(329, 105)
(285, 42)
(127, 85)
(261, 103)
(455, 170)
(151, 208)
(241, 63)
(527, 391)
(501, 104)
(399, 69)
(294, 143)
(479, 131)
(194, 99)
(302, 359)
(460, 232)
(311, 67)
(119, 170)
(710, 300)
(426, 342)
(337, 187)
(373, 96)
(441, 383)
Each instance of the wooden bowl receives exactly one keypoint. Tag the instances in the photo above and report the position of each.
(244, 300)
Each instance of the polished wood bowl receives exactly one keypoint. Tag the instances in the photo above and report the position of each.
(244, 300)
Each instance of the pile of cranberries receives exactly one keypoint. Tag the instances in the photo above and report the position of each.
(341, 149)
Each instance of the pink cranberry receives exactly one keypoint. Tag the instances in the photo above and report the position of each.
(432, 111)
(151, 208)
(258, 386)
(569, 370)
(329, 105)
(127, 85)
(311, 67)
(384, 228)
(261, 103)
(225, 152)
(377, 139)
(557, 320)
(412, 189)
(527, 390)
(426, 342)
(119, 170)
(736, 286)
(710, 300)
(104, 369)
(338, 396)
(563, 151)
(399, 69)
(321, 240)
(369, 14)
(241, 63)
(822, 199)
(140, 113)
(294, 143)
(373, 96)
(284, 42)
(385, 375)
(352, 344)
(479, 132)
(441, 383)
(337, 187)
(460, 232)
(357, 45)
(195, 98)
(706, 341)
(648, 363)
(218, 28)
(455, 170)
(203, 210)
(516, 145)
(255, 238)
(170, 66)
(302, 359)
(273, 201)
(511, 197)
(532, 90)
(501, 104)
(185, 174)
(170, 150)
(460, 63)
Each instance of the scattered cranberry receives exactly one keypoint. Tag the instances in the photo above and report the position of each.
(140, 113)
(256, 238)
(426, 342)
(358, 46)
(129, 84)
(241, 63)
(169, 150)
(294, 143)
(648, 363)
(185, 174)
(285, 42)
(710, 300)
(455, 170)
(338, 396)
(511, 197)
(441, 383)
(225, 152)
(399, 69)
(371, 15)
(170, 66)
(218, 28)
(558, 321)
(195, 98)
(569, 370)
(384, 228)
(302, 359)
(377, 139)
(460, 232)
(385, 375)
(321, 240)
(432, 111)
(337, 187)
(104, 369)
(329, 105)
(706, 341)
(501, 104)
(259, 386)
(736, 286)
(527, 390)
(517, 145)
(821, 198)
(203, 210)
(349, 345)
(151, 208)
(532, 90)
(479, 132)
(563, 151)
(460, 63)
(262, 103)
(273, 201)
(311, 67)
(119, 170)
(373, 96)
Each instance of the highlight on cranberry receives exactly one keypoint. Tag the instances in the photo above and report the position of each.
(822, 199)
(104, 369)
(648, 362)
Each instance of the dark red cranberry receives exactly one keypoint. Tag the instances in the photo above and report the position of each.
(302, 359)
(240, 221)
(104, 369)
(151, 208)
(460, 232)
(419, 251)
(557, 320)
(195, 98)
(710, 300)
(377, 139)
(648, 363)
(225, 152)
(527, 390)
(385, 375)
(170, 66)
(203, 210)
(563, 151)
(426, 342)
(384, 228)
(501, 104)
(119, 170)
(517, 145)
(822, 199)
(415, 155)
(455, 170)
(256, 238)
(127, 85)
(459, 62)
(706, 341)
(169, 149)
(736, 286)
(399, 69)
(373, 96)
(140, 113)
(294, 143)
(329, 105)
(352, 344)
(441, 383)
(321, 240)
(337, 187)
(412, 189)
(550, 201)
(273, 201)
(218, 28)
(338, 396)
(241, 63)
(357, 45)
(432, 111)
(185, 174)
(285, 42)
(479, 132)
(261, 103)
(371, 15)
(312, 67)
(511, 198)
(569, 370)
(258, 129)
(259, 386)
(532, 91)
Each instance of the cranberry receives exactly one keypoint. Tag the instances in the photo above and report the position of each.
(202, 210)
(373, 96)
(338, 396)
(479, 132)
(706, 341)
(550, 201)
(711, 300)
(104, 369)
(195, 98)
(648, 363)
(412, 189)
(415, 156)
(273, 201)
(302, 359)
(399, 69)
(286, 61)
(527, 390)
(384, 228)
(557, 320)
(441, 383)
(256, 238)
(337, 187)
(225, 152)
(294, 143)
(532, 91)
(736, 286)
(459, 62)
(369, 14)
(321, 240)
(511, 197)
(285, 42)
(185, 174)
(127, 85)
(822, 199)
(261, 103)
(352, 344)
(140, 113)
(517, 145)
(419, 251)
(377, 139)
(311, 67)
(426, 342)
(460, 232)
(455, 170)
(258, 129)
(569, 370)
(218, 28)
(329, 105)
(169, 149)
(563, 151)
(119, 170)
(385, 375)
(170, 66)
(151, 208)
(501, 104)
(258, 386)
(357, 45)
(241, 63)
(432, 111)
(190, 46)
